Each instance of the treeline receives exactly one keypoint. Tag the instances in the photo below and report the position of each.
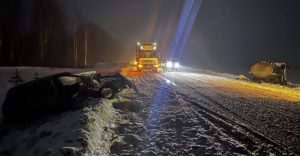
(39, 33)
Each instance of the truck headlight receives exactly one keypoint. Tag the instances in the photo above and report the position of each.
(169, 64)
(140, 66)
(176, 65)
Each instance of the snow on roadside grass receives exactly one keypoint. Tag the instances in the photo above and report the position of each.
(86, 131)
(99, 132)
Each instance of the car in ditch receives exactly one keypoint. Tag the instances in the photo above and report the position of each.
(58, 93)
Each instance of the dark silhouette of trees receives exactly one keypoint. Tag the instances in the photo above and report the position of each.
(10, 31)
(101, 47)
(34, 33)
(48, 30)
(31, 34)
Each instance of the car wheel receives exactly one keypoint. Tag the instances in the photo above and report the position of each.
(108, 93)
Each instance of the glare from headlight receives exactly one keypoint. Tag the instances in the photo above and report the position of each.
(177, 65)
(168, 81)
(169, 64)
(142, 47)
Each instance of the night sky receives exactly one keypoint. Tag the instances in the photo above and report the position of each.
(227, 36)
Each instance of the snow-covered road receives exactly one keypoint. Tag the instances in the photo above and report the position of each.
(179, 113)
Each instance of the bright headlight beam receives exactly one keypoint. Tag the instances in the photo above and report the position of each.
(176, 65)
(188, 17)
(169, 64)
(189, 26)
(183, 20)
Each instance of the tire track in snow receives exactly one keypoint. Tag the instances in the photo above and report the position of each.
(182, 127)
(191, 83)
(217, 118)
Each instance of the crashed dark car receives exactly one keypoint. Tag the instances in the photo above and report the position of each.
(57, 93)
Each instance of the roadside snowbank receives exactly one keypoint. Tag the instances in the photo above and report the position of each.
(86, 131)
(99, 132)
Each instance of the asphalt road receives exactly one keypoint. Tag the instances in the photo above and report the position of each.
(183, 113)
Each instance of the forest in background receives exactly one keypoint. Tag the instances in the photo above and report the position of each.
(39, 33)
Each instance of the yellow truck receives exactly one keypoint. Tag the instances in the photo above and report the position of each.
(147, 57)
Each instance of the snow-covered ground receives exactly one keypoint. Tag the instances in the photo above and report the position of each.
(85, 131)
(208, 113)
(199, 112)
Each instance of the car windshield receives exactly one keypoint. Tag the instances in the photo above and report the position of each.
(68, 80)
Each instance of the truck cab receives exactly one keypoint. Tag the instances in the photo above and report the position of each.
(147, 57)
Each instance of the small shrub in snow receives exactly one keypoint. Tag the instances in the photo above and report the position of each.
(16, 79)
(36, 76)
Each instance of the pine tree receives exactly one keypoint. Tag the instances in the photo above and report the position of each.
(16, 79)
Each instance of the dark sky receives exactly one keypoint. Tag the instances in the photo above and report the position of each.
(227, 34)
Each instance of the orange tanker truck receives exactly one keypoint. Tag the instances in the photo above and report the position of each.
(270, 72)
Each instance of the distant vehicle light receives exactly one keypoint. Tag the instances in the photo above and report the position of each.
(142, 47)
(155, 43)
(135, 62)
(140, 66)
(176, 65)
(169, 64)
(156, 65)
(138, 43)
(154, 48)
